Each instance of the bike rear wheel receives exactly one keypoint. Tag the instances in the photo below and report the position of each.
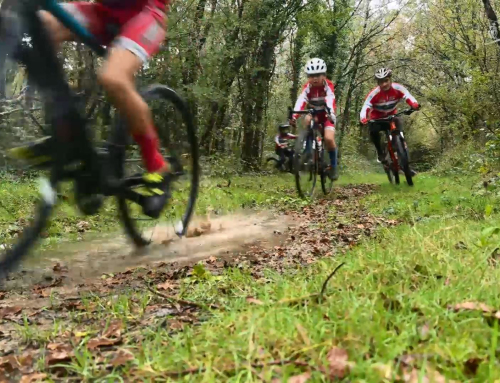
(404, 162)
(179, 146)
(305, 163)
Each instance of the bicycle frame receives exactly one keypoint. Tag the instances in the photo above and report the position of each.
(313, 112)
(394, 156)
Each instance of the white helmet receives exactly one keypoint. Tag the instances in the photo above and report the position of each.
(315, 66)
(383, 73)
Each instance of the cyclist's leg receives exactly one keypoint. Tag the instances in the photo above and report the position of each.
(91, 15)
(375, 129)
(140, 39)
(331, 147)
(281, 154)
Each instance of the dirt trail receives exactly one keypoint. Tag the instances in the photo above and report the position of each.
(114, 253)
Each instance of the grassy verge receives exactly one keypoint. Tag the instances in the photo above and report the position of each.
(395, 311)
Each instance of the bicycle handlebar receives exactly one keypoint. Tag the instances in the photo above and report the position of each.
(389, 118)
(312, 111)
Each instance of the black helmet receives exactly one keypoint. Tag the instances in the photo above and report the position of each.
(284, 127)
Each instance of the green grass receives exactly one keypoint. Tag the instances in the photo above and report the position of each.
(391, 297)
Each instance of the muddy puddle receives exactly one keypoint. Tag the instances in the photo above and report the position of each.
(93, 257)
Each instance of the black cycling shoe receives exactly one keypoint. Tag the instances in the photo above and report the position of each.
(36, 153)
(333, 173)
(157, 193)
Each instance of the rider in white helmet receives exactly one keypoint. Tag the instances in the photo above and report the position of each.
(317, 92)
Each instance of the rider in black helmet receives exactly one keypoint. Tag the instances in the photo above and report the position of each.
(282, 149)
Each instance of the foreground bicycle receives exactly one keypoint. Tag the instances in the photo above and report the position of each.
(396, 155)
(309, 158)
(95, 171)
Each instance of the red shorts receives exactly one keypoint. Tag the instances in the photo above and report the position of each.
(323, 119)
(141, 30)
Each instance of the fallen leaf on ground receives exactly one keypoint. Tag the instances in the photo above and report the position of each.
(471, 306)
(338, 363)
(9, 363)
(302, 378)
(254, 301)
(431, 376)
(471, 366)
(11, 310)
(121, 357)
(33, 377)
(102, 342)
(167, 285)
(176, 325)
(114, 329)
(59, 352)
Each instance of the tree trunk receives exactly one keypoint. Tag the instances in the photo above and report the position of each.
(492, 17)
(296, 63)
(257, 82)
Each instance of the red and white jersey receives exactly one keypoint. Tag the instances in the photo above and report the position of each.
(134, 4)
(379, 103)
(316, 97)
(281, 139)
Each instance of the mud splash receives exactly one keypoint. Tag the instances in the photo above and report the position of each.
(114, 253)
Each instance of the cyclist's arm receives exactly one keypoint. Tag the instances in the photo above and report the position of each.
(331, 103)
(277, 140)
(301, 101)
(363, 115)
(291, 136)
(410, 100)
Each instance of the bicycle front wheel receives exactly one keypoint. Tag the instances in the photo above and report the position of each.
(404, 162)
(179, 146)
(305, 163)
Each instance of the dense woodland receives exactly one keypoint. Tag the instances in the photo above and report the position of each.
(239, 63)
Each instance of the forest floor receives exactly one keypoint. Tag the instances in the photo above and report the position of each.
(374, 283)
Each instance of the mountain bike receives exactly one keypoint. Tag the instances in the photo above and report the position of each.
(309, 158)
(276, 164)
(396, 153)
(96, 171)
